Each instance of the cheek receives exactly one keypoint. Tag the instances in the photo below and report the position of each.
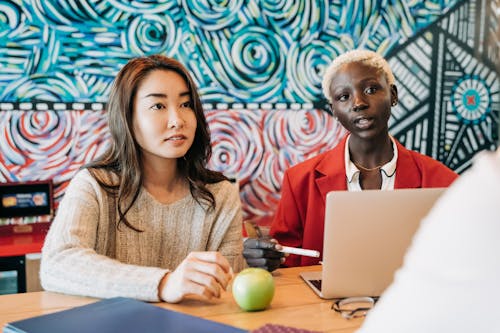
(388, 108)
(153, 121)
(136, 127)
(138, 132)
(146, 128)
(343, 120)
(192, 121)
(339, 113)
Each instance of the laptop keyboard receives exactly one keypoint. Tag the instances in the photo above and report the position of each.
(316, 283)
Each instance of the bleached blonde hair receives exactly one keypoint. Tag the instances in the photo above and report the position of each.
(367, 57)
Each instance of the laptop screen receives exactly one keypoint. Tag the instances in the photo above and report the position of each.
(366, 236)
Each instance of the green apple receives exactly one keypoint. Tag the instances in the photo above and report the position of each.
(253, 289)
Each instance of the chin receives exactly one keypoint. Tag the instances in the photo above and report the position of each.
(172, 156)
(369, 135)
(175, 156)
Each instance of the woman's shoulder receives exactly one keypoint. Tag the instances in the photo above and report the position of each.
(421, 159)
(93, 175)
(82, 176)
(87, 180)
(224, 190)
(222, 186)
(433, 172)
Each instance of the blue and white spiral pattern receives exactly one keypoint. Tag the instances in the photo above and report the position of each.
(149, 34)
(212, 15)
(238, 51)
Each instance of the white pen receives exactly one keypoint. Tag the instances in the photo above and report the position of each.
(299, 251)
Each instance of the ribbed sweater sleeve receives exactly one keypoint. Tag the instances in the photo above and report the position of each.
(85, 254)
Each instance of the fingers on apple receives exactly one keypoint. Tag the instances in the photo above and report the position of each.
(206, 291)
(231, 273)
(193, 282)
(210, 287)
(222, 277)
(211, 257)
(209, 270)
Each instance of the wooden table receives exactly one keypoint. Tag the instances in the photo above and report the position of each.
(294, 304)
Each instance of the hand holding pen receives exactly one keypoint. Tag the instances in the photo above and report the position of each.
(268, 254)
(261, 251)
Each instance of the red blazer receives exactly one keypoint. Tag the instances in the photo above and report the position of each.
(299, 220)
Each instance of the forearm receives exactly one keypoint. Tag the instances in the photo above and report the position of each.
(74, 261)
(82, 272)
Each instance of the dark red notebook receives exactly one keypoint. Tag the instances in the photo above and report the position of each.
(273, 328)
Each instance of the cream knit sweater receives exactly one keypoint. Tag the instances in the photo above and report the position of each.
(85, 254)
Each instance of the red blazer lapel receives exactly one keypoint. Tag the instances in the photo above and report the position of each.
(407, 173)
(330, 172)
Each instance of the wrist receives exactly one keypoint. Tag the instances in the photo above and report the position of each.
(161, 285)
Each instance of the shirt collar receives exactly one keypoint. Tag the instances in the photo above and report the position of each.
(351, 170)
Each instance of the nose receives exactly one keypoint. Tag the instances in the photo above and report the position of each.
(359, 103)
(173, 124)
(174, 119)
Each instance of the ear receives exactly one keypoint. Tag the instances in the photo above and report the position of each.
(394, 95)
(331, 110)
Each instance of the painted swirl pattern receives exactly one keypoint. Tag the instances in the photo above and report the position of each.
(237, 156)
(239, 51)
(49, 145)
(258, 64)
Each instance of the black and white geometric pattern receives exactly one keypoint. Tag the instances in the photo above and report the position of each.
(449, 103)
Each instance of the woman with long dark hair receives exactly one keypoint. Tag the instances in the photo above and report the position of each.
(147, 219)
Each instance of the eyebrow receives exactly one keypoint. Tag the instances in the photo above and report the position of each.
(371, 78)
(363, 81)
(161, 95)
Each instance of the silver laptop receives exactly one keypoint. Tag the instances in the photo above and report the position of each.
(366, 236)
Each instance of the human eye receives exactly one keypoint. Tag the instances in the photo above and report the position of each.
(342, 97)
(157, 106)
(372, 89)
(187, 105)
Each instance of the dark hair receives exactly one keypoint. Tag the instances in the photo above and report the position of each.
(123, 157)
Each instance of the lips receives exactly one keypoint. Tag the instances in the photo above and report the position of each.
(177, 137)
(363, 122)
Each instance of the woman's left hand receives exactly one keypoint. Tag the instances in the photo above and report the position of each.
(201, 273)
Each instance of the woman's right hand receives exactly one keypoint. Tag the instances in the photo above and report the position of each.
(204, 274)
(263, 253)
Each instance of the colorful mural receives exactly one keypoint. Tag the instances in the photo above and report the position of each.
(258, 65)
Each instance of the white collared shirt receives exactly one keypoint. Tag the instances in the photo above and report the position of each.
(388, 170)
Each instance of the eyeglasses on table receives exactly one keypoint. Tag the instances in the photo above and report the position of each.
(354, 307)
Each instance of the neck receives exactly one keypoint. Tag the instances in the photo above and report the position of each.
(163, 181)
(369, 155)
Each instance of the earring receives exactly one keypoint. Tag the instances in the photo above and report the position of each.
(394, 103)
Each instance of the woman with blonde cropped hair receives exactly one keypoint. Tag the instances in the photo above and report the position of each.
(361, 91)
